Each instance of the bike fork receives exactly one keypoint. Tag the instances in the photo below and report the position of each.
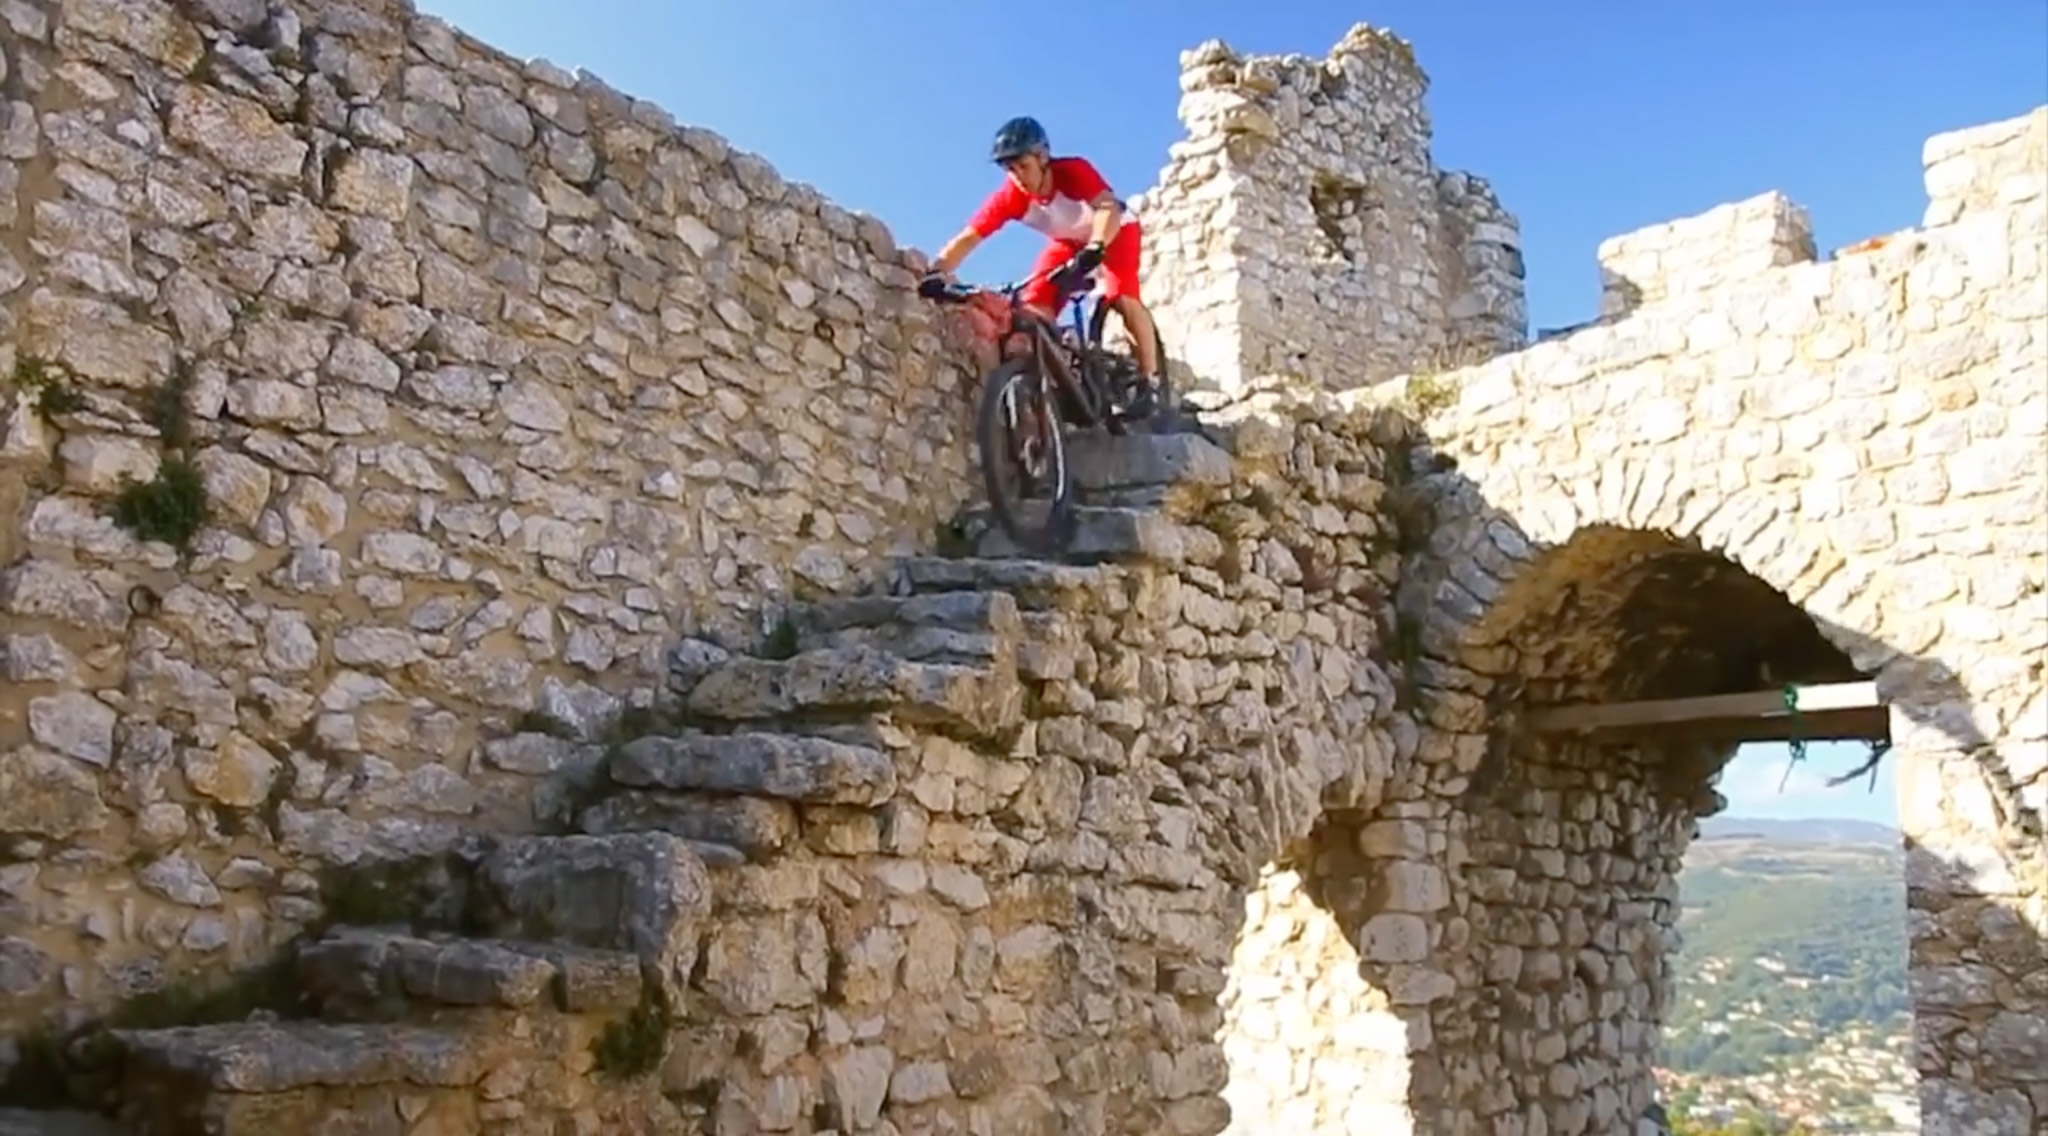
(1026, 441)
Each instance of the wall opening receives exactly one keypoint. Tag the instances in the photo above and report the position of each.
(1310, 1031)
(1579, 836)
(1790, 1003)
(1346, 212)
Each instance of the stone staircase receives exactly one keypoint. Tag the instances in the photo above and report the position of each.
(949, 648)
(524, 986)
(761, 744)
(1133, 496)
(522, 967)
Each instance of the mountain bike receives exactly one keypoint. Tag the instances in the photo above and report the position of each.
(1059, 380)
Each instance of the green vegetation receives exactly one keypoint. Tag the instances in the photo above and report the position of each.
(1753, 1124)
(1789, 945)
(1428, 394)
(54, 385)
(634, 1046)
(170, 507)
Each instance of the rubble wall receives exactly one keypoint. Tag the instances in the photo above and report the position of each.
(405, 443)
(456, 388)
(1303, 228)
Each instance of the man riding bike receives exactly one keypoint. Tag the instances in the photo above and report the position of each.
(1091, 230)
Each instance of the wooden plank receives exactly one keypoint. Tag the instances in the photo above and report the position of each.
(1756, 707)
(1864, 724)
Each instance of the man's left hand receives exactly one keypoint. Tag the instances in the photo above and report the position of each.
(1077, 268)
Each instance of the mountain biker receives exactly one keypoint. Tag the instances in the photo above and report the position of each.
(1092, 232)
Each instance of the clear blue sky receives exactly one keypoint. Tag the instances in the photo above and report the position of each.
(1590, 117)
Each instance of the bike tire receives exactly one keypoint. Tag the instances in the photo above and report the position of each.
(992, 435)
(1168, 412)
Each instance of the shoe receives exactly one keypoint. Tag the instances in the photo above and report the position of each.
(1143, 404)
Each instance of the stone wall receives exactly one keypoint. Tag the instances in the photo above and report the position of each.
(496, 381)
(1697, 255)
(1671, 504)
(1059, 895)
(567, 471)
(1303, 228)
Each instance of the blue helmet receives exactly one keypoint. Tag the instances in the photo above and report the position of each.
(1016, 138)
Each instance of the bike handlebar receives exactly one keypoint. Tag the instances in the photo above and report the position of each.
(962, 293)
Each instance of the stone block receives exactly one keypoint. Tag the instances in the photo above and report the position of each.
(643, 893)
(783, 766)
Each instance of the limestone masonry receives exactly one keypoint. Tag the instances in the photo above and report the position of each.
(496, 639)
(1303, 229)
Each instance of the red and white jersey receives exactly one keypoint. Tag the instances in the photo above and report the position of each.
(1064, 214)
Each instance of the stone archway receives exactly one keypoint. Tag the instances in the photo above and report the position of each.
(1485, 948)
(1575, 843)
(1629, 585)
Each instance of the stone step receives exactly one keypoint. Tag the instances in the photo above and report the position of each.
(645, 893)
(363, 974)
(248, 1078)
(960, 612)
(23, 1122)
(841, 682)
(1034, 585)
(1117, 535)
(964, 628)
(785, 766)
(1103, 463)
(732, 829)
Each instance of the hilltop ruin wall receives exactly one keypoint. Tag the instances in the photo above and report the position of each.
(495, 384)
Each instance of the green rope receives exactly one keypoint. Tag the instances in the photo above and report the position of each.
(1797, 744)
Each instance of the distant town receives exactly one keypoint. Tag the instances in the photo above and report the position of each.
(1791, 1013)
(1858, 1081)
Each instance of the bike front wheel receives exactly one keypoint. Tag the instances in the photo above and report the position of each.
(1024, 458)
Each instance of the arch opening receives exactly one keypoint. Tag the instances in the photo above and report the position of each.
(1575, 837)
(1619, 615)
(1316, 1031)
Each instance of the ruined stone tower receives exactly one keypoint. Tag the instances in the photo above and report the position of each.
(1303, 228)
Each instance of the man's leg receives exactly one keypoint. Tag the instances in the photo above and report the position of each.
(1120, 263)
(1144, 333)
(1040, 297)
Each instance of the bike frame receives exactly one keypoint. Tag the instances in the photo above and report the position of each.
(1087, 388)
(1083, 389)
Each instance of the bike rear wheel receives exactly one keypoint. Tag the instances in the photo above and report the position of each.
(1018, 427)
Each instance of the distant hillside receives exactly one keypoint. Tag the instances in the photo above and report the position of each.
(1812, 830)
(1793, 946)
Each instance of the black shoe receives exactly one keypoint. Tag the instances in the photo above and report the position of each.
(1143, 404)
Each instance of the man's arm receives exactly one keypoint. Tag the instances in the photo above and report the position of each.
(1079, 179)
(1003, 206)
(955, 251)
(1109, 217)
